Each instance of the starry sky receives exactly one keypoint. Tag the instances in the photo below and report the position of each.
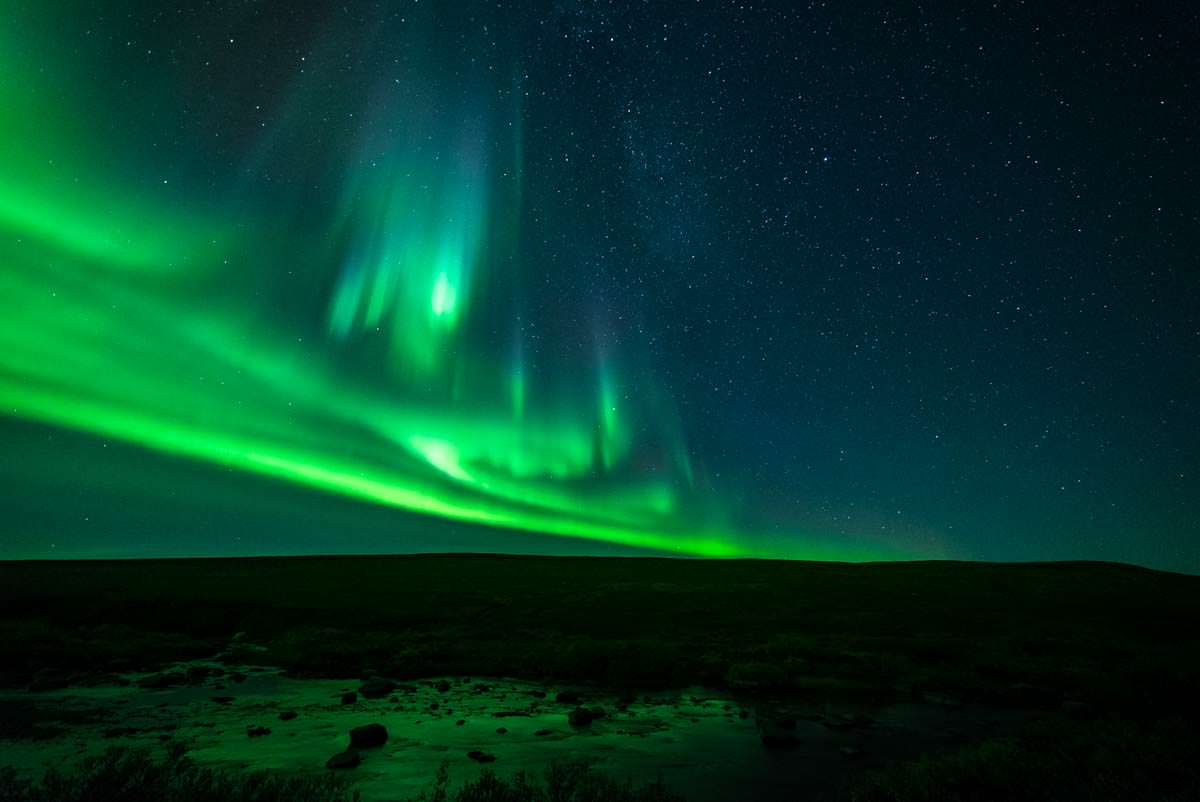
(801, 280)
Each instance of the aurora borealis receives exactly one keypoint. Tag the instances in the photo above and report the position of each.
(735, 282)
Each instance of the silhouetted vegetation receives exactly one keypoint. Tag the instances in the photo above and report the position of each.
(134, 775)
(1111, 761)
(565, 782)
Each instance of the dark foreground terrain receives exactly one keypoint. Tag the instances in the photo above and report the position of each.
(896, 681)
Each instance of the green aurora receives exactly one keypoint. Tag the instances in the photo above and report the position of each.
(138, 309)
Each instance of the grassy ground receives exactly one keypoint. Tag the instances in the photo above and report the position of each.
(1103, 634)
(1110, 654)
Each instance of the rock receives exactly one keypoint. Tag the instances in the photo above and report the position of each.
(1077, 709)
(599, 712)
(349, 698)
(223, 700)
(122, 732)
(367, 736)
(344, 760)
(460, 722)
(543, 732)
(1026, 695)
(501, 730)
(442, 685)
(942, 699)
(162, 680)
(848, 721)
(96, 680)
(197, 674)
(257, 731)
(568, 698)
(376, 688)
(481, 757)
(580, 717)
(49, 680)
(287, 715)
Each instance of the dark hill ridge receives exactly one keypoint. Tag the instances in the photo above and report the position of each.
(1102, 634)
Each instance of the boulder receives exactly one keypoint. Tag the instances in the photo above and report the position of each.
(367, 736)
(163, 680)
(349, 698)
(442, 685)
(257, 731)
(287, 715)
(376, 688)
(481, 757)
(344, 760)
(580, 717)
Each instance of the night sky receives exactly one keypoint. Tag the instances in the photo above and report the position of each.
(832, 280)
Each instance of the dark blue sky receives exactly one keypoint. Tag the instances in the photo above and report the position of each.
(902, 274)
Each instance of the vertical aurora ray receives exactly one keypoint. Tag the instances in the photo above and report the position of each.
(414, 217)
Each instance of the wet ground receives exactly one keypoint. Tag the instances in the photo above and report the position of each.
(703, 745)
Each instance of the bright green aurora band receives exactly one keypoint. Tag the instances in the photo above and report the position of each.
(406, 376)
